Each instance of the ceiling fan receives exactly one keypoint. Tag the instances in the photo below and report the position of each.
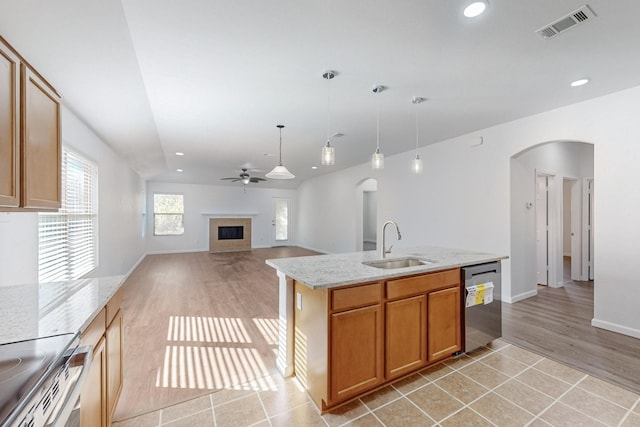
(244, 177)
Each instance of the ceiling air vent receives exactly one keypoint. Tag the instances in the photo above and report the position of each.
(571, 20)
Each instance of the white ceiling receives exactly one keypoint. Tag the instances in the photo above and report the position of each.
(213, 78)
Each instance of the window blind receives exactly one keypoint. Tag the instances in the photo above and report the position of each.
(68, 238)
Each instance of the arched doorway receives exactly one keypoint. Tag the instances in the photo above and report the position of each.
(366, 214)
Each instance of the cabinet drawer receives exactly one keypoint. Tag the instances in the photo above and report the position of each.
(95, 330)
(342, 299)
(420, 284)
(114, 305)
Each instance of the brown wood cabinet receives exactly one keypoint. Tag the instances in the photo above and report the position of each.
(405, 335)
(30, 137)
(356, 362)
(351, 340)
(444, 328)
(101, 389)
(9, 127)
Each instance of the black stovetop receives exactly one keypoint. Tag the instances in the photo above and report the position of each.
(23, 364)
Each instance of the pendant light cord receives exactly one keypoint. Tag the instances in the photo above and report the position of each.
(417, 129)
(328, 106)
(378, 123)
(280, 147)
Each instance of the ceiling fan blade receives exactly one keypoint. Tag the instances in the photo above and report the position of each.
(255, 179)
(234, 179)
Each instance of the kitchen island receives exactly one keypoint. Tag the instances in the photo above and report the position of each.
(348, 327)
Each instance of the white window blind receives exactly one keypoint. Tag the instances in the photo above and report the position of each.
(68, 239)
(168, 214)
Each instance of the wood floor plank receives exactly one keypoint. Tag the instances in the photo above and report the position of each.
(556, 323)
(197, 323)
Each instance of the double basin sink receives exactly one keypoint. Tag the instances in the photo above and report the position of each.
(389, 264)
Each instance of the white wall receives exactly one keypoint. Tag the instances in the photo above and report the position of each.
(228, 200)
(566, 217)
(463, 197)
(560, 159)
(120, 242)
(369, 207)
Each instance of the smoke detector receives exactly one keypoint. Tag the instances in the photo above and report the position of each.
(576, 17)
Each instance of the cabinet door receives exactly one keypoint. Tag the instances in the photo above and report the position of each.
(114, 363)
(92, 396)
(356, 352)
(444, 332)
(405, 335)
(9, 128)
(40, 148)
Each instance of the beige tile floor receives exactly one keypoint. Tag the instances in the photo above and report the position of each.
(500, 385)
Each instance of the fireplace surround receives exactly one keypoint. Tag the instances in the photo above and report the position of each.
(229, 234)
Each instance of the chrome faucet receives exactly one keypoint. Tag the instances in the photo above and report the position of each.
(383, 249)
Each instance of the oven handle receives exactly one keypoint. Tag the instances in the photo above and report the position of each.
(79, 360)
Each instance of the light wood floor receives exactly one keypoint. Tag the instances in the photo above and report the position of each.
(196, 323)
(556, 323)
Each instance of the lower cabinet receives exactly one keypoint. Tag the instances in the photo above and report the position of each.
(92, 411)
(114, 362)
(405, 335)
(101, 389)
(356, 362)
(444, 328)
(351, 340)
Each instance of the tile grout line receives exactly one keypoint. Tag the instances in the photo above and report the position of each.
(264, 409)
(629, 412)
(557, 400)
(213, 410)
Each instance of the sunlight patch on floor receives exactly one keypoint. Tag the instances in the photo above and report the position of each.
(190, 364)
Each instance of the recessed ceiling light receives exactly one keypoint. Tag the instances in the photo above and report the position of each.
(178, 170)
(475, 9)
(314, 167)
(179, 153)
(580, 82)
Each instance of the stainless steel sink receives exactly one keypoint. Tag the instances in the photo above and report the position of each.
(397, 263)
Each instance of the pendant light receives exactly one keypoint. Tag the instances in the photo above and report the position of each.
(280, 172)
(328, 152)
(416, 164)
(377, 159)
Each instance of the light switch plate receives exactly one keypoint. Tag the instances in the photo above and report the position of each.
(299, 301)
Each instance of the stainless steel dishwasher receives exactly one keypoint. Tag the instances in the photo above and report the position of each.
(483, 304)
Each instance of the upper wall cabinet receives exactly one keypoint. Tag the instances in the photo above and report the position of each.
(30, 137)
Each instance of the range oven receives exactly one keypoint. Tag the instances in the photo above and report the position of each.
(40, 380)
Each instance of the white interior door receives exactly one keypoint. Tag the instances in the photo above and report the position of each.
(280, 230)
(542, 229)
(589, 227)
(576, 230)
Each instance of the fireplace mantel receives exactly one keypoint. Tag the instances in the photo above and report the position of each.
(229, 215)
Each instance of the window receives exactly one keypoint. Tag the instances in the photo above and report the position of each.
(168, 213)
(68, 239)
(282, 219)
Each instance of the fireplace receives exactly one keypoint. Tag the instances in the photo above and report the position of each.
(229, 234)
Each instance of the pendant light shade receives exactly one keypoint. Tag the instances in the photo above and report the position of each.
(280, 172)
(377, 159)
(416, 164)
(328, 152)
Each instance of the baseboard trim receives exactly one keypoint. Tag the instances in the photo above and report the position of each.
(614, 327)
(131, 270)
(520, 297)
(322, 251)
(181, 251)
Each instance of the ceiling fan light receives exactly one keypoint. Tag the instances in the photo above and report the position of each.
(245, 179)
(280, 172)
(328, 154)
(377, 160)
(416, 164)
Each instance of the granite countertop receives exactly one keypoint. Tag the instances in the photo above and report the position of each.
(330, 271)
(33, 311)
